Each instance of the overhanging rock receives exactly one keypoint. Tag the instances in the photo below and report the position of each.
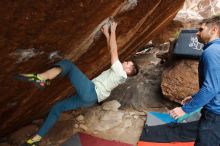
(34, 34)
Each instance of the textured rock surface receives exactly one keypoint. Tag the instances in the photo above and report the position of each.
(180, 80)
(111, 105)
(142, 91)
(118, 125)
(34, 34)
(112, 120)
(194, 10)
(17, 137)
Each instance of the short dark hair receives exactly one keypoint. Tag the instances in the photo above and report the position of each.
(212, 20)
(135, 69)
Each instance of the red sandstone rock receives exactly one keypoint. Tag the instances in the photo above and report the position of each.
(34, 34)
(180, 80)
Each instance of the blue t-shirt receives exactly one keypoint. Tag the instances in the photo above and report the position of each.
(209, 80)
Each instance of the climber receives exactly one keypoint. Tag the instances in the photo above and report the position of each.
(88, 92)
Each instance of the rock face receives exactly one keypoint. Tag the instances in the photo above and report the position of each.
(142, 92)
(34, 34)
(126, 125)
(195, 10)
(180, 80)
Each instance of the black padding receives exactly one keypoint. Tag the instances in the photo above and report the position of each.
(187, 44)
(171, 132)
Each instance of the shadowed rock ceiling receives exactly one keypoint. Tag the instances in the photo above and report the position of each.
(34, 34)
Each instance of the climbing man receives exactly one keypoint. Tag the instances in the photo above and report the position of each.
(87, 92)
(208, 96)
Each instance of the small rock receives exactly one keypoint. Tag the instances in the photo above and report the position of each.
(76, 125)
(135, 116)
(80, 118)
(131, 113)
(111, 105)
(84, 127)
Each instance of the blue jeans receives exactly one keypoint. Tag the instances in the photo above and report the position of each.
(85, 94)
(209, 129)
